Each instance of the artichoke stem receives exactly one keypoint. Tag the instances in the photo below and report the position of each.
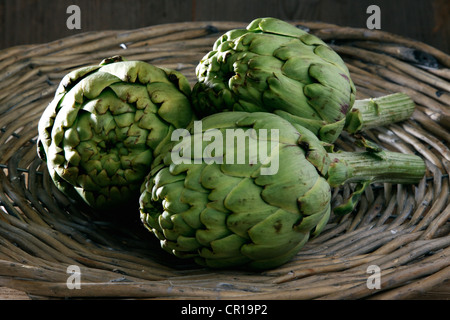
(381, 111)
(368, 166)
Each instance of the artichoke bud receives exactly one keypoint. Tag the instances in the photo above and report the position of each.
(232, 214)
(274, 66)
(99, 133)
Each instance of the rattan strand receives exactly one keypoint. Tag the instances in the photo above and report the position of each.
(405, 230)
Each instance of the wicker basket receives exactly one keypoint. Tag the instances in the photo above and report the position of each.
(404, 230)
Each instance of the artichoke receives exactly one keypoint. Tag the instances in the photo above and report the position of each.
(201, 202)
(99, 132)
(272, 66)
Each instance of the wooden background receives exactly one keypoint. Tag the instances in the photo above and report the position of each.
(38, 21)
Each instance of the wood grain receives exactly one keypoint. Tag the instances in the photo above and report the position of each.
(440, 292)
(12, 294)
(38, 21)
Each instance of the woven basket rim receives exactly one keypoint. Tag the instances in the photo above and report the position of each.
(405, 230)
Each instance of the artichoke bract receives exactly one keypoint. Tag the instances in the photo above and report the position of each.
(272, 66)
(99, 132)
(203, 202)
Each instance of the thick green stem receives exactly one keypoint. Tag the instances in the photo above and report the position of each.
(375, 112)
(383, 166)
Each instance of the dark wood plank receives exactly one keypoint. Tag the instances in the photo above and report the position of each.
(38, 21)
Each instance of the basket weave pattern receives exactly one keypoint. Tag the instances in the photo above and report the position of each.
(404, 230)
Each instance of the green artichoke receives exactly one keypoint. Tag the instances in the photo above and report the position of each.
(272, 66)
(201, 202)
(99, 132)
